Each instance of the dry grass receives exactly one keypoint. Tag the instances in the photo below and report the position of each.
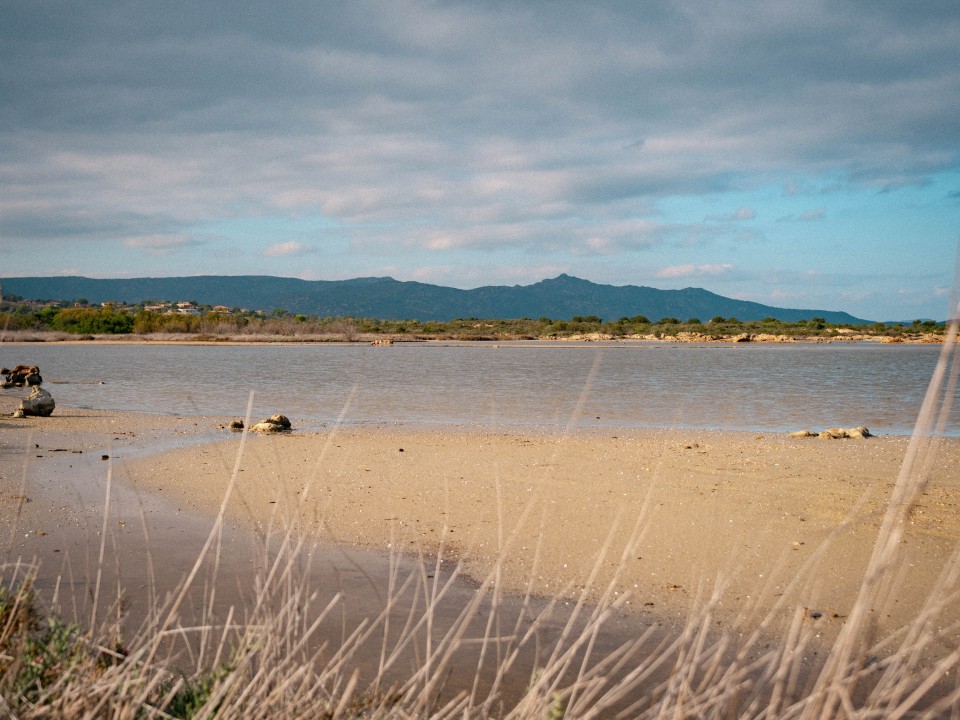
(287, 657)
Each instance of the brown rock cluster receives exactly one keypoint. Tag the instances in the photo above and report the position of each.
(834, 433)
(21, 375)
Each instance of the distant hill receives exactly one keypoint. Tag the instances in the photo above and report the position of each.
(559, 298)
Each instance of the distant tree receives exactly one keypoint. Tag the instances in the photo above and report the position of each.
(693, 321)
(640, 320)
(717, 319)
(768, 320)
(92, 321)
(668, 321)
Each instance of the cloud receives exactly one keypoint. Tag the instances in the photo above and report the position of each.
(687, 271)
(158, 245)
(738, 215)
(444, 134)
(812, 215)
(283, 249)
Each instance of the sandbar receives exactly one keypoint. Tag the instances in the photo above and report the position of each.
(665, 516)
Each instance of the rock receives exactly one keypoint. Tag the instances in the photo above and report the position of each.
(835, 433)
(236, 425)
(279, 420)
(39, 403)
(769, 338)
(22, 375)
(274, 423)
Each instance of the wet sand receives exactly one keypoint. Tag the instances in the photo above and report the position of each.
(67, 484)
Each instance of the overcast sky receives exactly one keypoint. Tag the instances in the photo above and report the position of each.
(795, 153)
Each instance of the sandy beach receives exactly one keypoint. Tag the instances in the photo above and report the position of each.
(662, 515)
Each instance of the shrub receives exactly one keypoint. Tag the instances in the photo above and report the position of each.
(83, 321)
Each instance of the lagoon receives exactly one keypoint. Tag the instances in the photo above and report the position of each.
(526, 385)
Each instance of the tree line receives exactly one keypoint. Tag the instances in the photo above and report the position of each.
(81, 318)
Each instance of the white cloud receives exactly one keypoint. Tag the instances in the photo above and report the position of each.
(686, 271)
(814, 214)
(738, 215)
(283, 249)
(158, 245)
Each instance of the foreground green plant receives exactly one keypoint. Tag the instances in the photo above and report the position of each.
(35, 651)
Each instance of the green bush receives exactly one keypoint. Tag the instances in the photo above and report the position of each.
(92, 321)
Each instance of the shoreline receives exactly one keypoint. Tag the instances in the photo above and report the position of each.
(683, 338)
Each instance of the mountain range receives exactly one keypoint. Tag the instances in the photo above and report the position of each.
(559, 298)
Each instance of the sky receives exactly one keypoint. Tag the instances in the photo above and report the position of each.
(797, 154)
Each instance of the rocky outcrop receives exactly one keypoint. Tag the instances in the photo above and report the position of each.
(39, 403)
(273, 424)
(21, 375)
(834, 433)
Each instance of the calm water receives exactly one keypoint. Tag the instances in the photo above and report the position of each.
(747, 387)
